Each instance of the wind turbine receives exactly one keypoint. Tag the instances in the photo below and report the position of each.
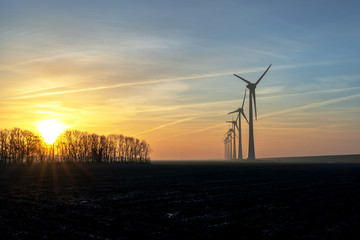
(227, 146)
(229, 139)
(240, 112)
(234, 124)
(225, 150)
(251, 86)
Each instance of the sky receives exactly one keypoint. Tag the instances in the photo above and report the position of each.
(162, 71)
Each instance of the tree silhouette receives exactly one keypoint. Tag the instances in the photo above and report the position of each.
(23, 146)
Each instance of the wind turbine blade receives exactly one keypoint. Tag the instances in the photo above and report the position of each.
(244, 100)
(228, 121)
(245, 117)
(255, 104)
(232, 112)
(262, 75)
(242, 79)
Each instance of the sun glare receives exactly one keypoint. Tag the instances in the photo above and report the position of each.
(50, 130)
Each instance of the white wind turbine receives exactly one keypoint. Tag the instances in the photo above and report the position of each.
(234, 124)
(226, 143)
(240, 112)
(229, 141)
(251, 86)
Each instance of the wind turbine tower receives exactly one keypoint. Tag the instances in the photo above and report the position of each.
(252, 97)
(240, 112)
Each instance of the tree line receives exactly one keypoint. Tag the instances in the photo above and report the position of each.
(24, 146)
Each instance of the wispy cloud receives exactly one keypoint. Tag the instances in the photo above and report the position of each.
(192, 105)
(156, 81)
(341, 79)
(155, 108)
(201, 130)
(165, 125)
(310, 92)
(46, 89)
(311, 105)
(120, 85)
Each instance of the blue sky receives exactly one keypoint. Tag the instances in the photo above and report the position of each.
(162, 71)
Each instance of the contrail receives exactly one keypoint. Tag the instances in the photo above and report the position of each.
(165, 125)
(311, 92)
(120, 85)
(180, 121)
(311, 105)
(201, 104)
(45, 89)
(154, 81)
(193, 105)
(201, 130)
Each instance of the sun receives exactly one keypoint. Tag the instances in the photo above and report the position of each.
(50, 130)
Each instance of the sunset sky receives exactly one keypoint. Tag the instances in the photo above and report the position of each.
(162, 71)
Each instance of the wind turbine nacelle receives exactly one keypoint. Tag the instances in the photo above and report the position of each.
(251, 86)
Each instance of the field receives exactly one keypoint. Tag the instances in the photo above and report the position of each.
(298, 198)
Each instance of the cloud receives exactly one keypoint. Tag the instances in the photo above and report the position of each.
(341, 79)
(311, 105)
(201, 130)
(311, 92)
(182, 106)
(46, 88)
(270, 90)
(157, 109)
(166, 125)
(156, 81)
(127, 84)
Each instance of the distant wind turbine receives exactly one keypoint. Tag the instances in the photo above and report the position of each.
(240, 112)
(234, 124)
(226, 142)
(251, 87)
(225, 150)
(229, 140)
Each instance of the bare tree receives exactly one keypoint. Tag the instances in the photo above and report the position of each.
(4, 146)
(31, 142)
(23, 146)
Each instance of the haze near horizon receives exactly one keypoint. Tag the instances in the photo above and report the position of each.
(163, 72)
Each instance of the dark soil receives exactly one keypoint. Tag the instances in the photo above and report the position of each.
(213, 200)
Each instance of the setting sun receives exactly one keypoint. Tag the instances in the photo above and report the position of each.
(50, 130)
